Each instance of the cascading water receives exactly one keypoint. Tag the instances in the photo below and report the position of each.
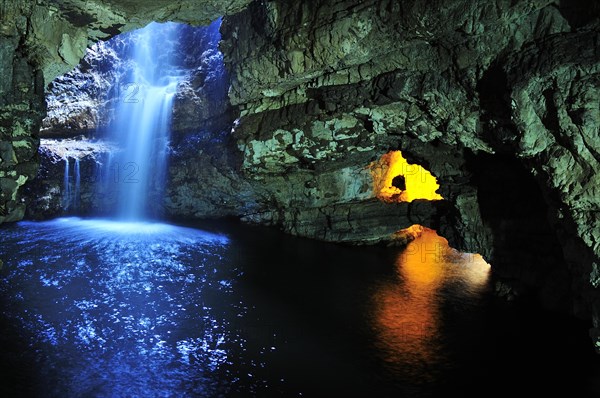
(77, 184)
(66, 194)
(71, 184)
(141, 126)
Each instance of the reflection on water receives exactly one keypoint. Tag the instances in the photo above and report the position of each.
(96, 308)
(125, 302)
(407, 308)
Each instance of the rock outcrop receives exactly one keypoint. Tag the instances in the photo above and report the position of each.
(21, 108)
(78, 102)
(70, 180)
(324, 87)
(554, 90)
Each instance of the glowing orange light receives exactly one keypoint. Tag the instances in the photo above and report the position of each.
(409, 234)
(407, 308)
(396, 180)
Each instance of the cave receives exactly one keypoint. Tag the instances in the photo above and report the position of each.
(319, 198)
(396, 180)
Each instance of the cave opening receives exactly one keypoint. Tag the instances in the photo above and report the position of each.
(525, 247)
(397, 180)
(440, 249)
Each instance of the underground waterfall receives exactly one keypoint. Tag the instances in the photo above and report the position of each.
(142, 122)
(123, 289)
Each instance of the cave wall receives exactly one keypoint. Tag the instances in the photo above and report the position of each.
(326, 86)
(21, 110)
(554, 88)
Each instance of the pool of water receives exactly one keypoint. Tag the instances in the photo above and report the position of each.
(98, 308)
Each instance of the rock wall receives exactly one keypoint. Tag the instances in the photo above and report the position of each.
(554, 89)
(78, 102)
(325, 87)
(21, 110)
(70, 180)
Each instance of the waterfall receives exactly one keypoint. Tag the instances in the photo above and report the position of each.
(142, 119)
(76, 193)
(71, 190)
(66, 194)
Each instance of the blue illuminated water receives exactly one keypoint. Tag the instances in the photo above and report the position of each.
(97, 308)
(117, 304)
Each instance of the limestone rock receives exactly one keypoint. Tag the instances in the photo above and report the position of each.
(53, 196)
(554, 89)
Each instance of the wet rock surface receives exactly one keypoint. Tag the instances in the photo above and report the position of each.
(58, 191)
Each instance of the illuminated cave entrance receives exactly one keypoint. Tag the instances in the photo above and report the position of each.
(406, 320)
(396, 180)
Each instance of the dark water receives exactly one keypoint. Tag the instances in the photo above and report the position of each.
(101, 309)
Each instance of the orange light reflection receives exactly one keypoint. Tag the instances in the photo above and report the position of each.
(407, 315)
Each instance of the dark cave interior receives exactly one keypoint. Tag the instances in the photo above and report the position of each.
(374, 127)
